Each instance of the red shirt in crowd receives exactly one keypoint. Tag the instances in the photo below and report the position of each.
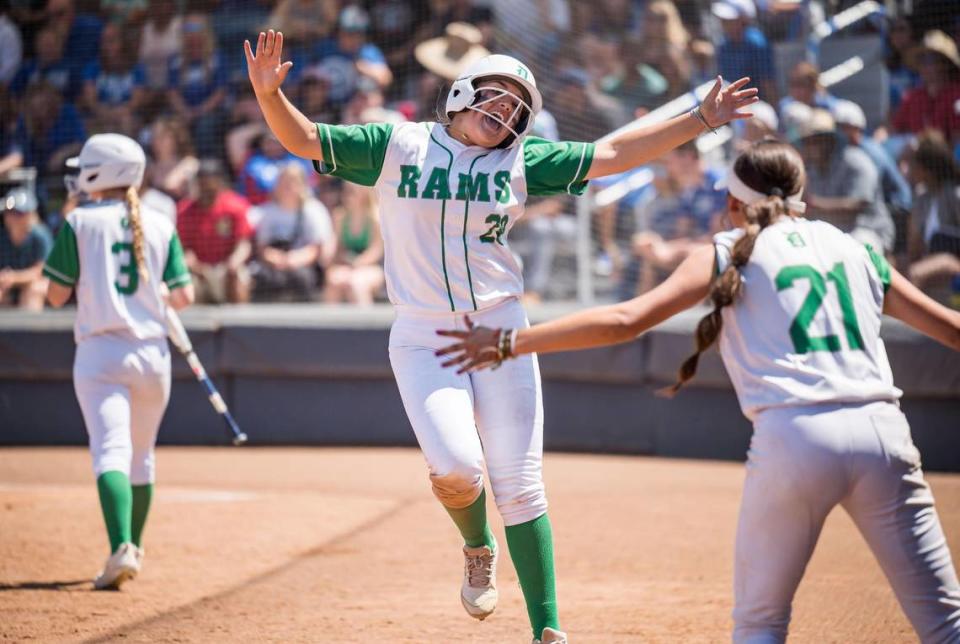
(919, 111)
(212, 233)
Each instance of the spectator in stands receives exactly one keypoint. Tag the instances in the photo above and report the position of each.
(261, 170)
(356, 273)
(11, 45)
(314, 100)
(80, 31)
(933, 103)
(294, 240)
(11, 155)
(49, 129)
(934, 238)
(24, 245)
(216, 237)
(901, 46)
(113, 86)
(685, 212)
(48, 65)
(633, 85)
(393, 28)
(303, 22)
(843, 185)
(764, 124)
(583, 116)
(160, 40)
(744, 50)
(198, 85)
(348, 56)
(621, 17)
(173, 165)
(852, 123)
(124, 12)
(803, 86)
(664, 45)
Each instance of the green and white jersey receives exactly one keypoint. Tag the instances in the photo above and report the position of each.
(94, 254)
(446, 208)
(806, 327)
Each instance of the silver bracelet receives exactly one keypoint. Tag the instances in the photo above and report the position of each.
(698, 114)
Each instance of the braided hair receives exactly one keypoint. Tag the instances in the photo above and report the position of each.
(136, 225)
(774, 169)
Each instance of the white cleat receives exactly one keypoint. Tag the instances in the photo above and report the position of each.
(551, 636)
(479, 591)
(123, 565)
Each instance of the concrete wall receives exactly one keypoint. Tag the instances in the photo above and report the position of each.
(320, 375)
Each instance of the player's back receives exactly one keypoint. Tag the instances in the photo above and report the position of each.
(111, 295)
(806, 327)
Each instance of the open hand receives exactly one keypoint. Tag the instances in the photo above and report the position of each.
(266, 71)
(723, 104)
(476, 350)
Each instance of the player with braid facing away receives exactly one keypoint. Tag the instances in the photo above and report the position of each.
(126, 264)
(797, 309)
(449, 193)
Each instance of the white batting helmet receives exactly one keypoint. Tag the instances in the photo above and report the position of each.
(109, 161)
(463, 93)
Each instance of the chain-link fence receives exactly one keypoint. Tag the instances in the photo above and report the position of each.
(869, 92)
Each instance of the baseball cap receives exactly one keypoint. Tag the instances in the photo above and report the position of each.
(353, 18)
(849, 113)
(820, 122)
(733, 9)
(20, 200)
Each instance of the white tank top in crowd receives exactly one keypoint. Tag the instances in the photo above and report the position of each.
(806, 327)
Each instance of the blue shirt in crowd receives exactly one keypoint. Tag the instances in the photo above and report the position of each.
(260, 173)
(197, 80)
(114, 88)
(68, 128)
(751, 57)
(33, 249)
(340, 65)
(896, 190)
(699, 204)
(59, 74)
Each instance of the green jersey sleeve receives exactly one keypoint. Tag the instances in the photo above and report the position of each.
(553, 168)
(175, 273)
(882, 266)
(63, 262)
(354, 153)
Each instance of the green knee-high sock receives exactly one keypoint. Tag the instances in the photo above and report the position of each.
(472, 522)
(531, 548)
(142, 494)
(116, 501)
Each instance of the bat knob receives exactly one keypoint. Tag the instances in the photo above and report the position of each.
(240, 439)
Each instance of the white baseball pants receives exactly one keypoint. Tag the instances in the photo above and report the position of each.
(463, 421)
(802, 462)
(123, 385)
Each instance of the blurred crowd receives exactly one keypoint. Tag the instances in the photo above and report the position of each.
(259, 224)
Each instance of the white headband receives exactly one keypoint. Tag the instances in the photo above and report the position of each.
(741, 191)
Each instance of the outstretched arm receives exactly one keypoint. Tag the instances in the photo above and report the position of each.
(909, 304)
(636, 147)
(596, 327)
(294, 130)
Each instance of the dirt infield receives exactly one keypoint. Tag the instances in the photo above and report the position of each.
(348, 545)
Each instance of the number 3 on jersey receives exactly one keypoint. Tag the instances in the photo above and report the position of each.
(129, 268)
(802, 342)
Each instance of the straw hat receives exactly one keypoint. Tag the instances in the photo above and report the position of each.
(448, 55)
(940, 43)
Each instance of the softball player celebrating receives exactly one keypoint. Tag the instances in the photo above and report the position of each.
(449, 193)
(797, 308)
(126, 263)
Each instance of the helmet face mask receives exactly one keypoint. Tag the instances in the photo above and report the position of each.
(470, 93)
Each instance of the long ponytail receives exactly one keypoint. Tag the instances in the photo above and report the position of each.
(775, 169)
(136, 225)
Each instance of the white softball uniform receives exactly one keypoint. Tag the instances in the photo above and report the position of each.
(122, 364)
(446, 211)
(802, 347)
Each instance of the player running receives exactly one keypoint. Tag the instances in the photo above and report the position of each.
(797, 308)
(449, 193)
(126, 264)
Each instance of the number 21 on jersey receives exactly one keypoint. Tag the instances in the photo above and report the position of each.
(799, 334)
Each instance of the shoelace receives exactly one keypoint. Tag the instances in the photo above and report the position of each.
(479, 568)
